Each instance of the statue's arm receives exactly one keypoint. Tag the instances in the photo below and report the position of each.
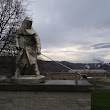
(38, 44)
(17, 42)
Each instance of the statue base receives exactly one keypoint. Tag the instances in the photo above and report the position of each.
(28, 79)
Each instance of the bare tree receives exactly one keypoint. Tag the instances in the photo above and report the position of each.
(11, 14)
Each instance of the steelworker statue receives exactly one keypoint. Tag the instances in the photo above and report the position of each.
(28, 47)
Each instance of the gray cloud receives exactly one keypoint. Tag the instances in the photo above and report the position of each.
(75, 13)
(73, 23)
(101, 45)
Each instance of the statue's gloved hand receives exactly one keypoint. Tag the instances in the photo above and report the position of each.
(18, 48)
(38, 53)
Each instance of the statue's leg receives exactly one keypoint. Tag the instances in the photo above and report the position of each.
(36, 69)
(23, 68)
(17, 72)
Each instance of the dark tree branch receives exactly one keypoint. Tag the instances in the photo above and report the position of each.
(11, 14)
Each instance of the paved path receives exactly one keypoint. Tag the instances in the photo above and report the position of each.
(22, 100)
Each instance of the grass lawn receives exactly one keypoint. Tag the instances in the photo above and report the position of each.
(100, 100)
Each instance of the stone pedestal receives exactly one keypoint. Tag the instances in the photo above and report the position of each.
(28, 79)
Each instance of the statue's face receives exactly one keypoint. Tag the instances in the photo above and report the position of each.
(28, 24)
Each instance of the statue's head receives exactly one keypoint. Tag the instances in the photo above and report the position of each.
(27, 23)
(26, 27)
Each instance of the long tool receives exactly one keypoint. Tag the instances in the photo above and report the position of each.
(60, 64)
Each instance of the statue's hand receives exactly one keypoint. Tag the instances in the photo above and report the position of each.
(38, 53)
(18, 48)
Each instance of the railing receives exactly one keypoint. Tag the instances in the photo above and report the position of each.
(75, 72)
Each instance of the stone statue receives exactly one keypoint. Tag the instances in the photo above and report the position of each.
(28, 47)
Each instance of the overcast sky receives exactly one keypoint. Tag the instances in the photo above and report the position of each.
(73, 30)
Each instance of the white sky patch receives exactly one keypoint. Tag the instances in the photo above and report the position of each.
(72, 54)
(76, 53)
(61, 54)
(107, 58)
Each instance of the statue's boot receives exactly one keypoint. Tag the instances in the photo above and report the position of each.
(36, 70)
(17, 72)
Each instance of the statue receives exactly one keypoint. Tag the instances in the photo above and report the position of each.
(28, 47)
